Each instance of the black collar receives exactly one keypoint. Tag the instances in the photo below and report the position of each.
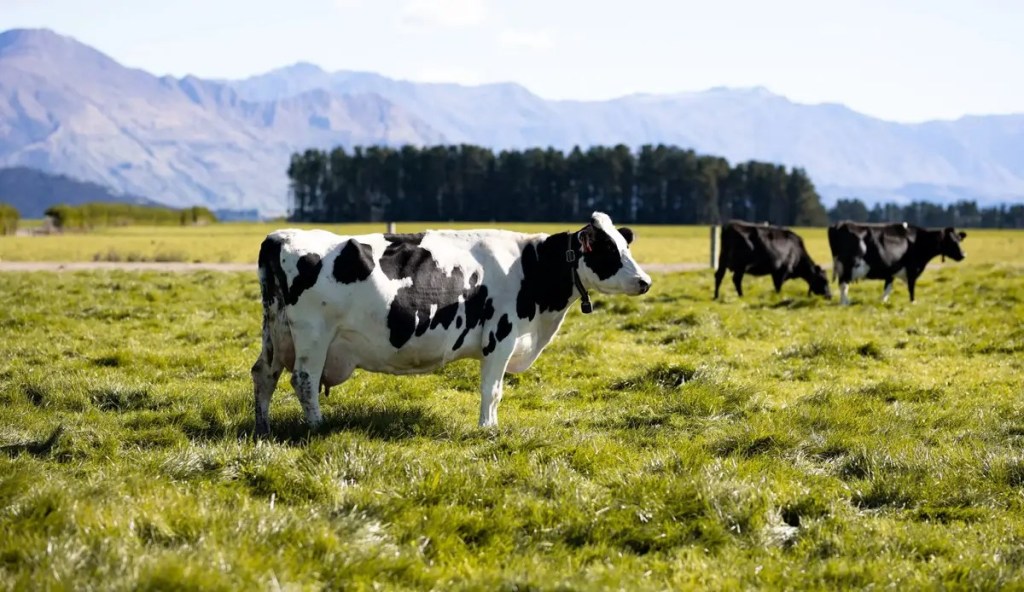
(574, 261)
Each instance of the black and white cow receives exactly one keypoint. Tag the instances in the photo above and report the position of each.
(759, 249)
(887, 251)
(410, 303)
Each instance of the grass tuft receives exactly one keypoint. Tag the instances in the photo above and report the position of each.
(119, 398)
(39, 448)
(660, 376)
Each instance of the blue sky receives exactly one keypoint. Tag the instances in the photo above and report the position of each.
(904, 60)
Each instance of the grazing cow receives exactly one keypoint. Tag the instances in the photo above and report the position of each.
(759, 249)
(410, 303)
(886, 251)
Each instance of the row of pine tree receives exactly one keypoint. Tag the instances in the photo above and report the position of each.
(653, 185)
(656, 184)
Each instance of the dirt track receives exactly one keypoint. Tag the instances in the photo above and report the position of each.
(187, 267)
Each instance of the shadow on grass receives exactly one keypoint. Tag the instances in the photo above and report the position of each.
(36, 394)
(790, 303)
(399, 422)
(377, 422)
(39, 448)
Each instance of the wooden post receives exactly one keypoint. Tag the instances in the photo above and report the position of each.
(714, 245)
(391, 227)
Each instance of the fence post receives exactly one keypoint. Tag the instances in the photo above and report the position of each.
(714, 245)
(391, 227)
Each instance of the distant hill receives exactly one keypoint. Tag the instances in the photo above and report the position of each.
(846, 153)
(32, 191)
(67, 108)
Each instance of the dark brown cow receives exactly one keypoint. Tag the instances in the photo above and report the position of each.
(767, 250)
(887, 251)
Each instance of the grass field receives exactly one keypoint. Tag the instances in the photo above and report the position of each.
(663, 442)
(239, 243)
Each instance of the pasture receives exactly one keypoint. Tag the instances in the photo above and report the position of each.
(234, 242)
(663, 442)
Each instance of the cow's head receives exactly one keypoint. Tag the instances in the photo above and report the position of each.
(817, 282)
(606, 264)
(949, 244)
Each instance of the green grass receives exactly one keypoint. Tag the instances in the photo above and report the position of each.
(234, 242)
(238, 242)
(663, 442)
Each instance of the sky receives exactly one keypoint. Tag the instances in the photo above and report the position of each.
(901, 60)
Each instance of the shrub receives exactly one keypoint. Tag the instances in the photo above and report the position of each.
(9, 217)
(99, 214)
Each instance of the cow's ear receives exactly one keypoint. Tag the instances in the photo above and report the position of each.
(963, 235)
(627, 233)
(586, 237)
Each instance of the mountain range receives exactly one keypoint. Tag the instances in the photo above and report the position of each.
(67, 108)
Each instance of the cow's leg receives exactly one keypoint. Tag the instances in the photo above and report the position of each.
(888, 289)
(778, 278)
(310, 357)
(911, 280)
(492, 370)
(265, 374)
(719, 275)
(737, 280)
(845, 275)
(844, 296)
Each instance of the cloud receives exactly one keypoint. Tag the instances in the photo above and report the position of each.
(346, 4)
(444, 13)
(527, 40)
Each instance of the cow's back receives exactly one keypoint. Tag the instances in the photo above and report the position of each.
(845, 239)
(390, 303)
(737, 248)
(760, 248)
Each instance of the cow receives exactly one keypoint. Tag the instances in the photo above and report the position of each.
(760, 249)
(887, 251)
(411, 303)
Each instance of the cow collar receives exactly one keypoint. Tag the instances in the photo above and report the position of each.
(574, 262)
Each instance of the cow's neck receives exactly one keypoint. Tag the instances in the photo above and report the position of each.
(926, 246)
(805, 267)
(556, 258)
(548, 282)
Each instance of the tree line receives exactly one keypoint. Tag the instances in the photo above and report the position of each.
(964, 214)
(98, 214)
(655, 184)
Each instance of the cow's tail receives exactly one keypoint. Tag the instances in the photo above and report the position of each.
(833, 246)
(273, 283)
(726, 244)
